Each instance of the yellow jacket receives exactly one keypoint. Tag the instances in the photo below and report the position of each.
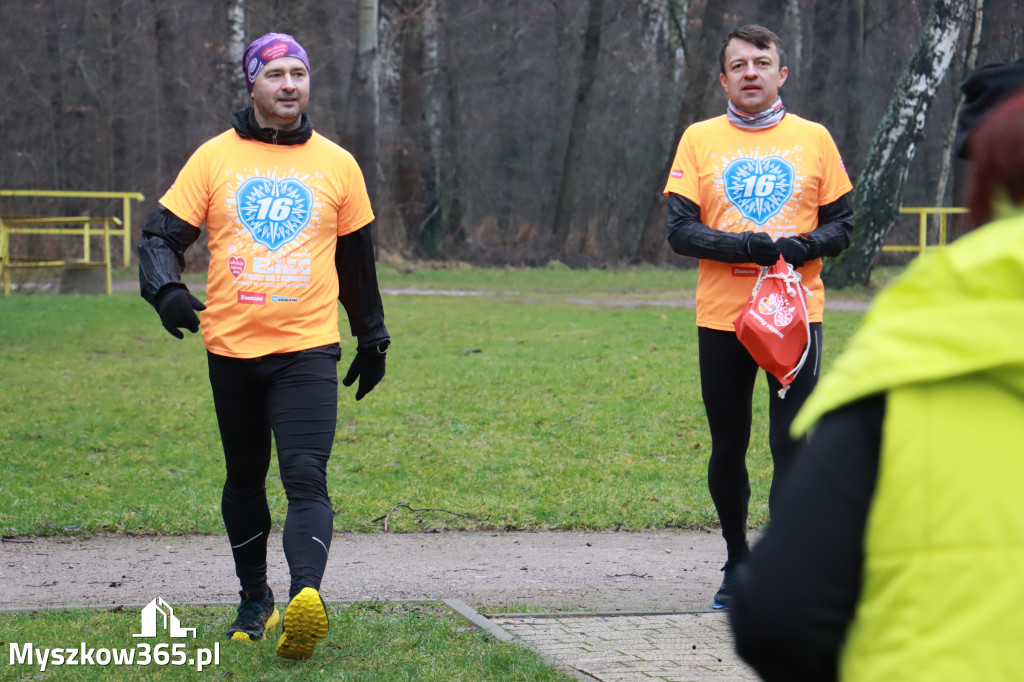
(943, 582)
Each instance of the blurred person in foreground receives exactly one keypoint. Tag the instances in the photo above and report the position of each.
(898, 549)
(744, 188)
(288, 220)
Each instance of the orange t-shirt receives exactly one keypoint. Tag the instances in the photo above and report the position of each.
(771, 181)
(273, 214)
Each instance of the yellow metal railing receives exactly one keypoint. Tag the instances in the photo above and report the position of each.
(84, 226)
(124, 231)
(924, 212)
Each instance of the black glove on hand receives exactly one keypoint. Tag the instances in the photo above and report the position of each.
(761, 249)
(368, 367)
(795, 251)
(177, 308)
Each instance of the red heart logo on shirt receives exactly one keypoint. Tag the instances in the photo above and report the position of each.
(236, 264)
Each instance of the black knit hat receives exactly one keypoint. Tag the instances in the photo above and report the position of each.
(983, 89)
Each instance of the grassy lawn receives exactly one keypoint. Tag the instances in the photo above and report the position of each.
(521, 412)
(511, 409)
(370, 642)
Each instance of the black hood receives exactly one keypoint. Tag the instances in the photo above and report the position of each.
(982, 90)
(244, 123)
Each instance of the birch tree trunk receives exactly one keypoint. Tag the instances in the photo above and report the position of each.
(878, 194)
(362, 125)
(652, 235)
(700, 79)
(969, 65)
(433, 228)
(236, 51)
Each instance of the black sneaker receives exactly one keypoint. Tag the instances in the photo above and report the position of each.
(723, 598)
(254, 618)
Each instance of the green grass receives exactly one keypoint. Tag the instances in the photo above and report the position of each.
(509, 409)
(501, 413)
(558, 281)
(369, 641)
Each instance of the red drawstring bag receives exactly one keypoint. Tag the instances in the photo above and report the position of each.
(774, 326)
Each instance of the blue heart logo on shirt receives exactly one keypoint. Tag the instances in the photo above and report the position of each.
(273, 210)
(759, 187)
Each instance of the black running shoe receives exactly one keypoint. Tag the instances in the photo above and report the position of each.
(723, 598)
(254, 618)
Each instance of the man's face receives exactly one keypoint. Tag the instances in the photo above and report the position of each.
(280, 93)
(752, 76)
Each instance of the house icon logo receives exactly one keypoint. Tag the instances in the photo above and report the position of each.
(170, 621)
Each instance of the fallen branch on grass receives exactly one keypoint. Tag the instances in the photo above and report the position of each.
(387, 516)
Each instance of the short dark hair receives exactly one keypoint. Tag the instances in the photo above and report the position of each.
(997, 159)
(756, 35)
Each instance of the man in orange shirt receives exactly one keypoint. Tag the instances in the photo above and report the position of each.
(288, 220)
(744, 188)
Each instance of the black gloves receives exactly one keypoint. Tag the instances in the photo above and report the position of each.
(177, 308)
(796, 251)
(761, 249)
(368, 367)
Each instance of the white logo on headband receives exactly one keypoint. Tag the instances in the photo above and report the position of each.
(254, 68)
(274, 51)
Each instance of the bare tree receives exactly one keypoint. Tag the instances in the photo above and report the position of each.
(461, 112)
(236, 48)
(414, 156)
(365, 99)
(970, 63)
(877, 196)
(578, 130)
(854, 109)
(700, 56)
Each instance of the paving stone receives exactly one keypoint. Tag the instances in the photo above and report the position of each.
(691, 647)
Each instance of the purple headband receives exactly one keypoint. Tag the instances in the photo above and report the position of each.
(266, 49)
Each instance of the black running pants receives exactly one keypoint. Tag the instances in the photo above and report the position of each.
(294, 398)
(727, 375)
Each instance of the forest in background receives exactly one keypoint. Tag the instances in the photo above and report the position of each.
(499, 132)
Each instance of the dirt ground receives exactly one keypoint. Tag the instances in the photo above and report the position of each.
(546, 571)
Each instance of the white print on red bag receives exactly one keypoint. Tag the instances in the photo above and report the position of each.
(776, 304)
(774, 325)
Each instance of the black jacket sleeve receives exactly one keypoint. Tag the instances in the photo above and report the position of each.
(688, 236)
(835, 226)
(162, 252)
(802, 582)
(357, 287)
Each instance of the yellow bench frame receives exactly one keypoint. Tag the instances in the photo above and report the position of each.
(67, 225)
(924, 212)
(9, 226)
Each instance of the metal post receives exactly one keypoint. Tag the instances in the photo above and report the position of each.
(106, 254)
(86, 246)
(126, 211)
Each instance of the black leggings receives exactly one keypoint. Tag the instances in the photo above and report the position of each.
(727, 374)
(293, 396)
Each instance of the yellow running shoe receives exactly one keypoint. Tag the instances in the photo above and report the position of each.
(305, 624)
